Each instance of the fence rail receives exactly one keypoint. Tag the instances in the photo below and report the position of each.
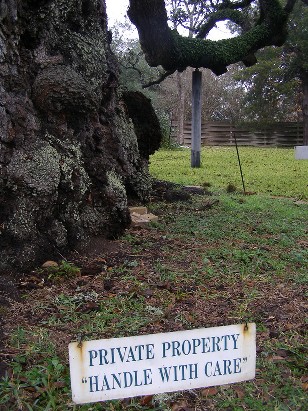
(284, 134)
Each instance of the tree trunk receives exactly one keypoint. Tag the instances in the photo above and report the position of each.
(68, 151)
(305, 106)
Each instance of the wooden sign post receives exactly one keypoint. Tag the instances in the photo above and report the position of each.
(196, 119)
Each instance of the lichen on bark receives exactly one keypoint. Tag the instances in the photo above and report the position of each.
(68, 149)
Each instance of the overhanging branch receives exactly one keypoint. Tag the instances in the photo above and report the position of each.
(159, 80)
(165, 47)
(227, 14)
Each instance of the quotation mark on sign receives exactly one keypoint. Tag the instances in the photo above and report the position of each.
(84, 380)
(245, 359)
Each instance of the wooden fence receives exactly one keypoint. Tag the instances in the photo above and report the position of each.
(224, 134)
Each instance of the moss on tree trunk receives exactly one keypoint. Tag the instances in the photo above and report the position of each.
(68, 149)
(165, 47)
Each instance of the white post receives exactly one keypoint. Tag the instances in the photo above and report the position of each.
(196, 119)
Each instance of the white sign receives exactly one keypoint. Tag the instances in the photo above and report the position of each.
(151, 364)
(301, 152)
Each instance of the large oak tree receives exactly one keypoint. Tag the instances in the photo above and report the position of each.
(69, 154)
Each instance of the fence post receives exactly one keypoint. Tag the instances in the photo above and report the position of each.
(196, 119)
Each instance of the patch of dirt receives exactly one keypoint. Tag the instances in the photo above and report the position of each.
(189, 301)
(194, 302)
(97, 246)
(172, 192)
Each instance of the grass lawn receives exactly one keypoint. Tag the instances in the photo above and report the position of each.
(266, 170)
(213, 260)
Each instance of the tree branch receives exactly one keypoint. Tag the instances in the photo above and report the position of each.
(227, 4)
(290, 5)
(165, 47)
(226, 14)
(127, 67)
(159, 80)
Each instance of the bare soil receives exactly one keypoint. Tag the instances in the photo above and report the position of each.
(279, 305)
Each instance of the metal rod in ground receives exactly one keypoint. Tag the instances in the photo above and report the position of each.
(239, 162)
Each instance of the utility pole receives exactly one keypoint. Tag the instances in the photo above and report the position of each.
(196, 119)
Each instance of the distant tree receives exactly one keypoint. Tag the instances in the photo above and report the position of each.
(269, 96)
(186, 14)
(223, 97)
(277, 87)
(164, 46)
(297, 50)
(135, 73)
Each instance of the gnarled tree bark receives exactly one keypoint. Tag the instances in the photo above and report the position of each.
(68, 149)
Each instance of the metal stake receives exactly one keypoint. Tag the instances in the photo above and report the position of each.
(239, 162)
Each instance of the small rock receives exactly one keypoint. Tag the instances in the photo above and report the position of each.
(49, 264)
(138, 210)
(142, 219)
(150, 217)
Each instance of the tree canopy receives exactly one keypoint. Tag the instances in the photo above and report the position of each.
(277, 87)
(166, 47)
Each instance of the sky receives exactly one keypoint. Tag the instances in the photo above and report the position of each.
(116, 10)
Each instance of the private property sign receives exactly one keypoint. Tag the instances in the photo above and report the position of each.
(151, 364)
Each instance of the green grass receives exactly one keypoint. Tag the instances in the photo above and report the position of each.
(245, 258)
(61, 272)
(266, 170)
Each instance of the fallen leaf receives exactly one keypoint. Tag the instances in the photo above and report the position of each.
(147, 293)
(305, 386)
(304, 378)
(189, 317)
(59, 384)
(283, 353)
(274, 334)
(239, 392)
(86, 308)
(147, 400)
(206, 392)
(276, 358)
(31, 389)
